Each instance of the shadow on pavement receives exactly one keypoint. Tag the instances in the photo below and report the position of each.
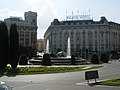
(9, 72)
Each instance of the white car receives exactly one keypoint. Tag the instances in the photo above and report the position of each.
(4, 86)
(119, 60)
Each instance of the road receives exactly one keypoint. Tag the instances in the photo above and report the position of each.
(63, 81)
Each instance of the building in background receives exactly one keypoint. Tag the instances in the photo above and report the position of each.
(27, 29)
(40, 45)
(86, 36)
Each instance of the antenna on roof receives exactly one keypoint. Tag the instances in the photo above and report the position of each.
(66, 15)
(89, 13)
(92, 16)
(72, 15)
(78, 13)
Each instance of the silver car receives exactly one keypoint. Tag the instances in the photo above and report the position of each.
(4, 86)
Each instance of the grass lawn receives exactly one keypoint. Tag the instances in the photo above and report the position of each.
(42, 70)
(112, 82)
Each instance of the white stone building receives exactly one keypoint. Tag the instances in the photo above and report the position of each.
(41, 46)
(27, 28)
(86, 36)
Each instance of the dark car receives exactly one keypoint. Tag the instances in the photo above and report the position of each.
(4, 86)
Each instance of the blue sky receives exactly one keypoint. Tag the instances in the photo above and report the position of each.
(47, 10)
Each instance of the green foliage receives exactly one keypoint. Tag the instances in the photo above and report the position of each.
(112, 82)
(104, 58)
(22, 50)
(86, 53)
(95, 59)
(14, 46)
(115, 55)
(84, 63)
(73, 60)
(53, 54)
(42, 70)
(23, 60)
(26, 50)
(46, 60)
(4, 45)
(94, 67)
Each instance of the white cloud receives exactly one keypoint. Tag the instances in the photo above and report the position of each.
(46, 11)
(55, 12)
(16, 13)
(6, 13)
(42, 6)
(36, 5)
(3, 13)
(33, 4)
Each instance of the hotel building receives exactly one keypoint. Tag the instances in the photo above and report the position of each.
(89, 36)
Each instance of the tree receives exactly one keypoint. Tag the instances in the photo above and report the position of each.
(46, 60)
(86, 53)
(115, 55)
(23, 60)
(53, 54)
(104, 58)
(73, 60)
(14, 46)
(3, 45)
(95, 59)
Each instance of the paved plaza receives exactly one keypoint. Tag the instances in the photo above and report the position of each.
(63, 81)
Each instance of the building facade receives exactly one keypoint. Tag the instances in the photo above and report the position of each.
(40, 43)
(86, 36)
(27, 29)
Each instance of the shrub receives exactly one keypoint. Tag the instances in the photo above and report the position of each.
(46, 60)
(23, 60)
(73, 61)
(53, 54)
(104, 58)
(115, 55)
(14, 46)
(4, 46)
(95, 59)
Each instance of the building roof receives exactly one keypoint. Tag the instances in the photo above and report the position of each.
(77, 21)
(103, 20)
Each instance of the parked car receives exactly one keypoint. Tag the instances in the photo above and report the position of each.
(4, 86)
(119, 60)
